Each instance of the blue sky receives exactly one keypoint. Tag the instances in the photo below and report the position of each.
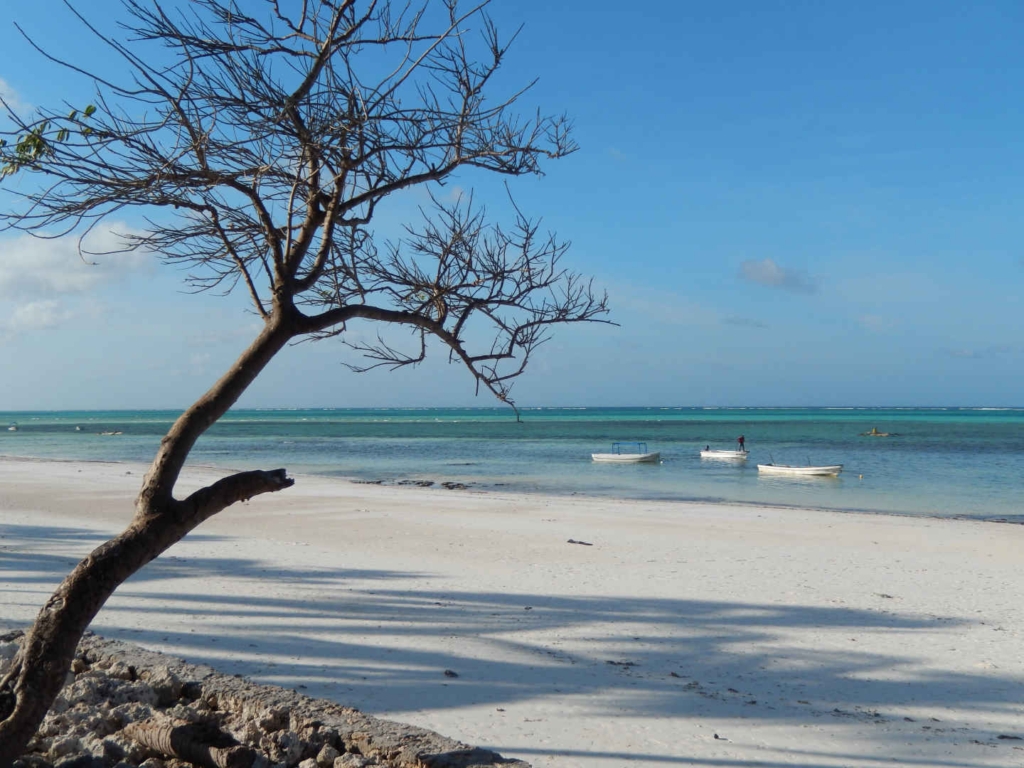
(789, 203)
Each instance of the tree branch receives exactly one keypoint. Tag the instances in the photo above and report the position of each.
(208, 501)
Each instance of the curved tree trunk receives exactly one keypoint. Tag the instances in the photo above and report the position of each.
(160, 520)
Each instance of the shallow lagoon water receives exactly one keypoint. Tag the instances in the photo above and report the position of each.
(946, 462)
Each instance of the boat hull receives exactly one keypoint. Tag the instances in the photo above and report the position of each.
(783, 469)
(626, 458)
(728, 455)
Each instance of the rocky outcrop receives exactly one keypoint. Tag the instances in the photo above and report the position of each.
(123, 706)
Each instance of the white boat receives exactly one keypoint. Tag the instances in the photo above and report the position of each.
(628, 453)
(711, 453)
(830, 470)
(13, 427)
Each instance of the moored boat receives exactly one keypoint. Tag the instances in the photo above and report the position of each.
(711, 453)
(829, 470)
(628, 453)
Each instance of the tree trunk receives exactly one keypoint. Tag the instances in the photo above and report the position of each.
(41, 666)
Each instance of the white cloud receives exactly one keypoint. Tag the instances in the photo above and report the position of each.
(34, 316)
(32, 268)
(768, 273)
(37, 316)
(10, 96)
(38, 276)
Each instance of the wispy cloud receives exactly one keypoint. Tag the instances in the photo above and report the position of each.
(773, 275)
(199, 362)
(745, 322)
(39, 277)
(669, 308)
(233, 335)
(996, 350)
(32, 268)
(877, 290)
(456, 193)
(11, 97)
(664, 307)
(875, 323)
(35, 316)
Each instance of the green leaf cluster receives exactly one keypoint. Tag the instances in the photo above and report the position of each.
(39, 142)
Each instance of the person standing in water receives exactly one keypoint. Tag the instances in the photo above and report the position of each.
(741, 442)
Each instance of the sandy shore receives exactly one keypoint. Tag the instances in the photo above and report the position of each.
(686, 634)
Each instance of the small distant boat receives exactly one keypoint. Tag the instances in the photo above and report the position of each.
(13, 427)
(111, 432)
(875, 433)
(628, 453)
(831, 470)
(711, 453)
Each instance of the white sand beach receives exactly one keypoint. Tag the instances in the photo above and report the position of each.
(683, 634)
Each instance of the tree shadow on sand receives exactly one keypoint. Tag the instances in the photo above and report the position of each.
(382, 641)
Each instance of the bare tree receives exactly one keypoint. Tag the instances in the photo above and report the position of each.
(258, 147)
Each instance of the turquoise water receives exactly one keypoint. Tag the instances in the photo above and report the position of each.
(946, 462)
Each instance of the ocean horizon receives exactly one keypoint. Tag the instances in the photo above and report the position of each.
(952, 461)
